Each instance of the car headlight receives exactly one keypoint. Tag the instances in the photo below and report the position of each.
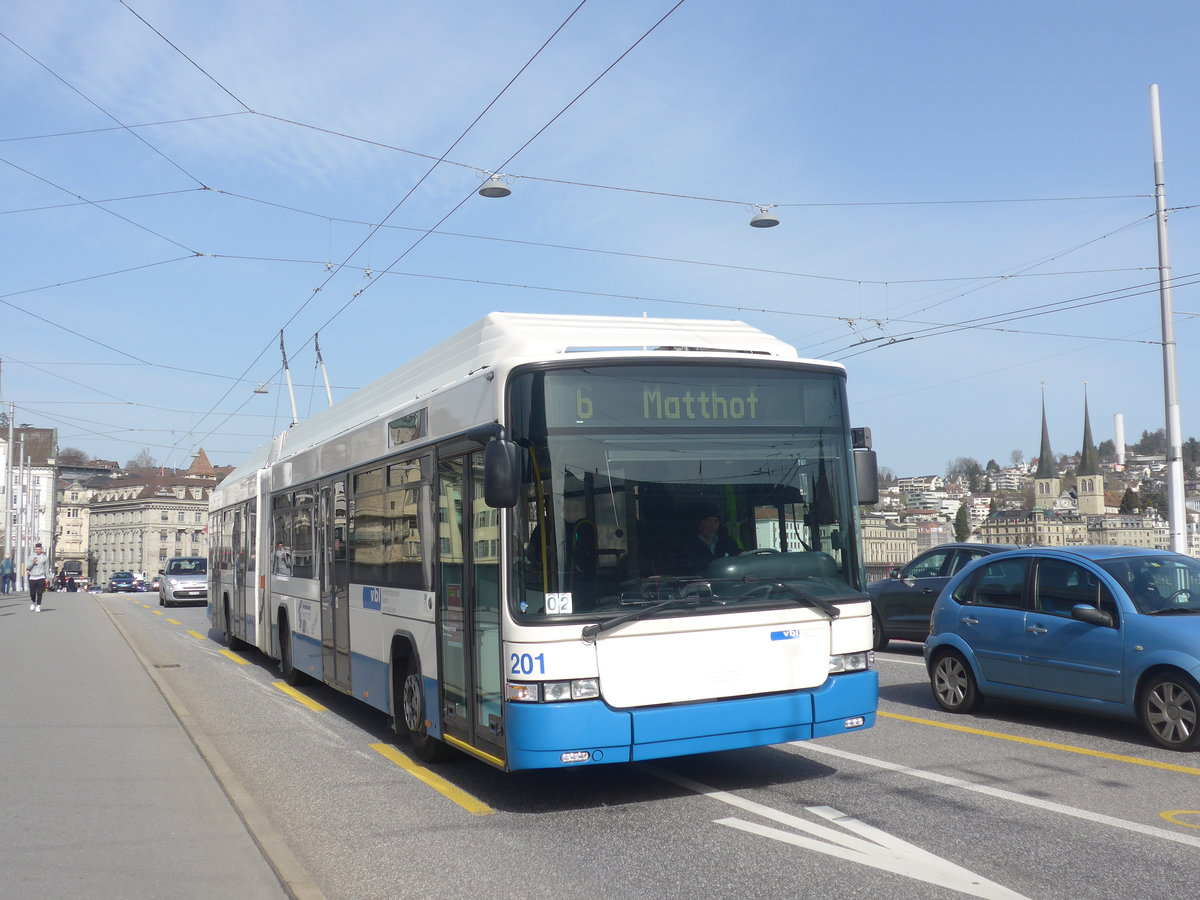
(851, 662)
(173, 582)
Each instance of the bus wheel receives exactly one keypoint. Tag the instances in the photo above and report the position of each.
(232, 641)
(287, 671)
(425, 747)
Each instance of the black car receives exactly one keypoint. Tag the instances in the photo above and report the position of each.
(122, 581)
(902, 603)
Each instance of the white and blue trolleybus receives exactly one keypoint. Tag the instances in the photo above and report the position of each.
(567, 540)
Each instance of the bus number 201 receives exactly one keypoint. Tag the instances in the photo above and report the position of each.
(524, 663)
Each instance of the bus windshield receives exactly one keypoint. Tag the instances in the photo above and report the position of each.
(720, 485)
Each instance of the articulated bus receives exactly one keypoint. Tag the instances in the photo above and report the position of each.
(497, 544)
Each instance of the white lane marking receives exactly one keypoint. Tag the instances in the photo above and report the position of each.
(1048, 805)
(871, 847)
(903, 662)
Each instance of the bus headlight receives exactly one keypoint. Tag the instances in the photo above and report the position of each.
(585, 689)
(851, 662)
(556, 691)
(521, 691)
(552, 691)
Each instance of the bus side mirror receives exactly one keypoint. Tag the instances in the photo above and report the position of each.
(501, 474)
(866, 474)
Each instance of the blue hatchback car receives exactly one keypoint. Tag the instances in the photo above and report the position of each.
(1107, 630)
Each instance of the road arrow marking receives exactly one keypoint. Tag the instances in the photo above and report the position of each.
(858, 842)
(881, 851)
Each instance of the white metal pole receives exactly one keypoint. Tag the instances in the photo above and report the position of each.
(23, 505)
(10, 542)
(1176, 511)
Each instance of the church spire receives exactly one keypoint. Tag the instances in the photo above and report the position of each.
(1089, 459)
(1046, 467)
(1046, 483)
(1089, 483)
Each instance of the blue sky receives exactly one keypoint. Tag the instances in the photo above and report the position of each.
(149, 268)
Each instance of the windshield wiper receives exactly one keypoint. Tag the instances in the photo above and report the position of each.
(800, 596)
(590, 631)
(1174, 611)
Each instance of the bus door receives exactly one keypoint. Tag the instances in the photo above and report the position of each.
(254, 599)
(335, 585)
(237, 600)
(468, 589)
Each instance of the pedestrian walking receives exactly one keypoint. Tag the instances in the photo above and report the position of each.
(36, 571)
(7, 574)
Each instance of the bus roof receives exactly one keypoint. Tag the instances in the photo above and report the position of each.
(507, 338)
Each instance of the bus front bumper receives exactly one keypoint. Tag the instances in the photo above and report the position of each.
(590, 732)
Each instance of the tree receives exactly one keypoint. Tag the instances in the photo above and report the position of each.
(73, 456)
(1153, 443)
(1154, 500)
(1107, 451)
(1129, 501)
(992, 467)
(1191, 457)
(964, 467)
(1017, 458)
(144, 460)
(887, 477)
(962, 523)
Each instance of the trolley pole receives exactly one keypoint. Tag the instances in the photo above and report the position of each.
(1176, 511)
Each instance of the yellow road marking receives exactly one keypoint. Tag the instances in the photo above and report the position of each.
(174, 621)
(1068, 748)
(197, 635)
(474, 751)
(297, 696)
(1171, 815)
(157, 612)
(437, 782)
(237, 659)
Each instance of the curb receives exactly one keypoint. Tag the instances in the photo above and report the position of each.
(292, 875)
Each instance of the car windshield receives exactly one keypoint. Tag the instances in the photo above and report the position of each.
(187, 567)
(1167, 584)
(716, 486)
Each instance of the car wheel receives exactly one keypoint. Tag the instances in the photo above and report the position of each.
(879, 640)
(1168, 708)
(425, 746)
(953, 683)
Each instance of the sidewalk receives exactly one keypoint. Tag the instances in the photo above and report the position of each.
(102, 792)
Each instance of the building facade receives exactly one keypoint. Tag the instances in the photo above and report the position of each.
(138, 521)
(29, 490)
(71, 529)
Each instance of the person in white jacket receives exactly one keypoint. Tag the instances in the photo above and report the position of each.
(37, 570)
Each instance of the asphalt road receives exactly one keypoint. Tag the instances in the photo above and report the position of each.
(1010, 802)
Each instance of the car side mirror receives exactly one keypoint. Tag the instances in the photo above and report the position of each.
(895, 573)
(1085, 612)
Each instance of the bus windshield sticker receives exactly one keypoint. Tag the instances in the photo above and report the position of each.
(558, 604)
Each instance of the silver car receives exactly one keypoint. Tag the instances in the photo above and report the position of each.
(184, 580)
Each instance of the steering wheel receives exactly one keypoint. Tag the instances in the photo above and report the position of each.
(1171, 597)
